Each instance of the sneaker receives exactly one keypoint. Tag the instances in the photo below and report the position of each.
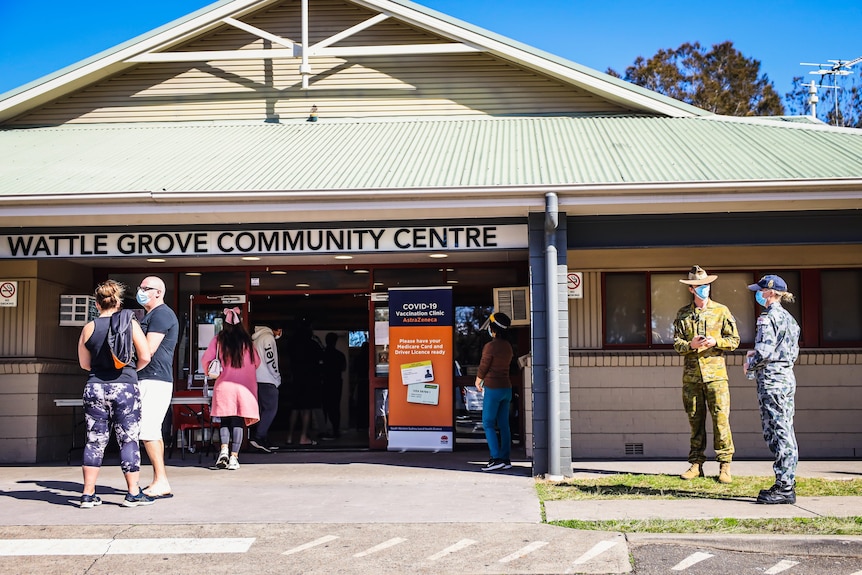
(88, 501)
(140, 499)
(234, 463)
(494, 465)
(507, 464)
(259, 446)
(222, 460)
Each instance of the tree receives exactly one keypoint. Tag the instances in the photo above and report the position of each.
(839, 98)
(720, 80)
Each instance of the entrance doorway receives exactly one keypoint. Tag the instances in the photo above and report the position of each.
(336, 418)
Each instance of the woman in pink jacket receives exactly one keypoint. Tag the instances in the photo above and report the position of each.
(235, 389)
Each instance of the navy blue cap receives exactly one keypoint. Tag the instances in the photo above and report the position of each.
(772, 282)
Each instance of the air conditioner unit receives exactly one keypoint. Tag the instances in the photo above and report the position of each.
(514, 302)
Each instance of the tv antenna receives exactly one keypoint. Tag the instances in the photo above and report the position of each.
(833, 68)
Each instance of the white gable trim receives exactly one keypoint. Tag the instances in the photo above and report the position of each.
(111, 62)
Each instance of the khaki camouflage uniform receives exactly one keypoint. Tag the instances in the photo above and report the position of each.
(704, 376)
(776, 347)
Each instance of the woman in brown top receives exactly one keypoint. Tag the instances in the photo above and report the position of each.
(492, 379)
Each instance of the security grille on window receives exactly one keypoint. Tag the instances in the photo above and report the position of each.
(77, 310)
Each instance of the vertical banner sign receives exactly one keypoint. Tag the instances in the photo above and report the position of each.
(420, 369)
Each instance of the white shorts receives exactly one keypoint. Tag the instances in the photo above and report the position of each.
(155, 401)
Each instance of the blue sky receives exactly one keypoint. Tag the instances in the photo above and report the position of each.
(40, 37)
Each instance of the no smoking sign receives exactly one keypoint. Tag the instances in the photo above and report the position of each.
(8, 293)
(575, 285)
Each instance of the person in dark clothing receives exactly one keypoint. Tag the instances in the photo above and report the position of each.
(334, 364)
(306, 359)
(492, 380)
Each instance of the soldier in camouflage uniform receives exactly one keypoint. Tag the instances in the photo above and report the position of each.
(703, 331)
(776, 347)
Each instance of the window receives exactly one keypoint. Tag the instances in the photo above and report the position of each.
(841, 305)
(625, 309)
(631, 297)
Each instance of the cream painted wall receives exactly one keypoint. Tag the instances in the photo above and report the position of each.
(634, 397)
(38, 362)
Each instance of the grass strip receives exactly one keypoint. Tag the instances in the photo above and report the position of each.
(727, 526)
(634, 486)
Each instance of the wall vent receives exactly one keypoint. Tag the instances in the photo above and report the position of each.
(514, 302)
(634, 448)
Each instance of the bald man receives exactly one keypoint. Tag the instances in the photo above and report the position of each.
(156, 380)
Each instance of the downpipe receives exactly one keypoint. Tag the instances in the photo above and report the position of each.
(552, 219)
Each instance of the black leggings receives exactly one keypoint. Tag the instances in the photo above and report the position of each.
(231, 431)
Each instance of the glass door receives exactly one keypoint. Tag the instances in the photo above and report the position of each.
(206, 316)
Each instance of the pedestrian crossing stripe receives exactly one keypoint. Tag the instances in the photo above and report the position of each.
(320, 541)
(385, 545)
(780, 567)
(692, 559)
(163, 546)
(523, 551)
(596, 550)
(452, 549)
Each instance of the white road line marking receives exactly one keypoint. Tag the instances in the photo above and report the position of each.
(782, 565)
(596, 550)
(310, 544)
(691, 560)
(524, 551)
(385, 545)
(166, 546)
(452, 549)
(20, 547)
(176, 546)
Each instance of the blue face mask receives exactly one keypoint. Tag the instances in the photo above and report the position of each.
(760, 299)
(142, 297)
(702, 291)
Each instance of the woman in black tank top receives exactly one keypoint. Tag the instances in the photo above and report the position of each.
(111, 398)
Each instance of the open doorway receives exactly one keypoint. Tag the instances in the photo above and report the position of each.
(333, 416)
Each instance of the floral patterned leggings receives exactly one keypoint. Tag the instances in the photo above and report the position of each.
(117, 406)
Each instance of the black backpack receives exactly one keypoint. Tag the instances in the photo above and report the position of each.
(120, 338)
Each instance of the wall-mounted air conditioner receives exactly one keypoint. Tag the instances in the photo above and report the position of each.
(514, 302)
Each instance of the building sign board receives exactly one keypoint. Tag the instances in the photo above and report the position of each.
(144, 243)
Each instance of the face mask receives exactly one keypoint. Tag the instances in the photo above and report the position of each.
(760, 299)
(702, 291)
(491, 333)
(142, 297)
(277, 336)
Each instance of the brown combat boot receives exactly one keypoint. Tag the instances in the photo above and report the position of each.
(724, 473)
(696, 470)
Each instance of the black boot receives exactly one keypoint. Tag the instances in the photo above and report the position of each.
(777, 494)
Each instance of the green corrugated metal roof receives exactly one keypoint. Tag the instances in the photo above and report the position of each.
(420, 153)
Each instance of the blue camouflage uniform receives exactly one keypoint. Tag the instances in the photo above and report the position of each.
(704, 376)
(776, 347)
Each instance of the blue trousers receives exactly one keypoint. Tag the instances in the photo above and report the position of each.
(495, 419)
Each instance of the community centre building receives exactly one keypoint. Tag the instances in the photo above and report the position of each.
(303, 158)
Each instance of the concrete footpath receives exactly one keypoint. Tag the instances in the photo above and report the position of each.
(369, 499)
